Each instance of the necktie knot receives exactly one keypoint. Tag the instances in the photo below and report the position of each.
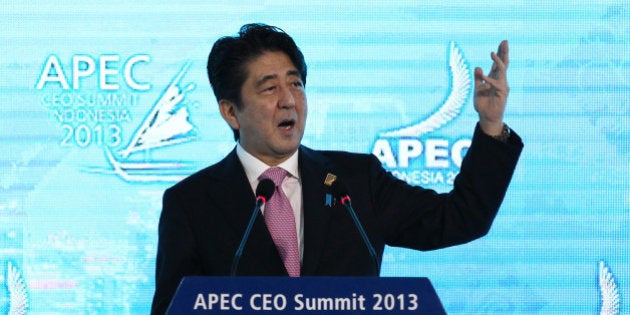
(276, 174)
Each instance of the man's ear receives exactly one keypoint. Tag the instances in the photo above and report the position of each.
(228, 111)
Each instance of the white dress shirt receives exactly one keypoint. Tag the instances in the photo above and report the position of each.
(292, 185)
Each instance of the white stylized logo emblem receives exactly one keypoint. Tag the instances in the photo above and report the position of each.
(167, 124)
(459, 91)
(608, 291)
(18, 297)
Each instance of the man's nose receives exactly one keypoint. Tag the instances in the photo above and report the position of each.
(287, 99)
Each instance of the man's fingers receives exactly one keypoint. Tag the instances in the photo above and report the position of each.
(492, 82)
(488, 82)
(478, 78)
(498, 69)
(505, 53)
(498, 62)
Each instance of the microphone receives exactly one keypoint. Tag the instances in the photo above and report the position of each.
(341, 190)
(264, 191)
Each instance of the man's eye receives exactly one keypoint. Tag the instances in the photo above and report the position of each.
(298, 84)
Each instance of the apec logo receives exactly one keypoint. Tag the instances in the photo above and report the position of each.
(93, 97)
(84, 66)
(403, 150)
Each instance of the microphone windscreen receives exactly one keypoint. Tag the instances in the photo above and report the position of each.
(265, 188)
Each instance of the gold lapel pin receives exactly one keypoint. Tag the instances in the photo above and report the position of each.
(330, 179)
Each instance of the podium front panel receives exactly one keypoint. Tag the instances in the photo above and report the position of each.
(305, 295)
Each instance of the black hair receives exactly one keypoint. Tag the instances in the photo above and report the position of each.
(230, 55)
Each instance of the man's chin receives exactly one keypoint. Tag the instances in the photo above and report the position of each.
(287, 149)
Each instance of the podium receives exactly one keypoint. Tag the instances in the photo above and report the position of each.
(305, 295)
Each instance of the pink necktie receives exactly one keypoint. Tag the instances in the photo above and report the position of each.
(281, 222)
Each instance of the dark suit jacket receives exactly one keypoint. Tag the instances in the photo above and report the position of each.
(204, 216)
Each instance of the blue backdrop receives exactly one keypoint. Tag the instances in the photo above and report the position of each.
(103, 106)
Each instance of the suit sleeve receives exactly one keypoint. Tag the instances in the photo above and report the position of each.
(176, 254)
(423, 219)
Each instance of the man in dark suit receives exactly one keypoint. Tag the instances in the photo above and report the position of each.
(258, 79)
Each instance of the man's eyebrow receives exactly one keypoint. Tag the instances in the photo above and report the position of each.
(294, 73)
(265, 79)
(269, 77)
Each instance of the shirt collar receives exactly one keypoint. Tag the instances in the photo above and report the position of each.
(254, 167)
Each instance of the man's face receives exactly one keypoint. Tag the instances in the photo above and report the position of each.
(273, 111)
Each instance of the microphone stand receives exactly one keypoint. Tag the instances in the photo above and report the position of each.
(347, 202)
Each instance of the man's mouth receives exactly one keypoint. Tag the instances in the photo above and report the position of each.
(287, 124)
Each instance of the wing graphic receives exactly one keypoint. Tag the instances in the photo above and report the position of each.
(460, 88)
(18, 298)
(608, 290)
(148, 172)
(168, 122)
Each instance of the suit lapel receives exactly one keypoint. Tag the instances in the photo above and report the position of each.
(313, 170)
(237, 209)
